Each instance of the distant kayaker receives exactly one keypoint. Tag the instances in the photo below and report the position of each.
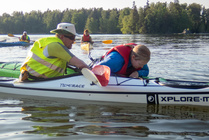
(128, 59)
(25, 37)
(86, 37)
(49, 56)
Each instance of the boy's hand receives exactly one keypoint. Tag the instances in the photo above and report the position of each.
(134, 74)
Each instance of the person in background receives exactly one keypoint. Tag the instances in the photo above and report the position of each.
(25, 37)
(129, 60)
(50, 56)
(86, 37)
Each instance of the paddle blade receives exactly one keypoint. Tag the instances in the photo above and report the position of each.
(90, 76)
(107, 41)
(11, 35)
(102, 73)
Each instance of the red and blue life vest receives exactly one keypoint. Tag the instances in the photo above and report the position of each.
(124, 51)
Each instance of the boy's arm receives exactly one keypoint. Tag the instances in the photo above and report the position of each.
(114, 61)
(144, 71)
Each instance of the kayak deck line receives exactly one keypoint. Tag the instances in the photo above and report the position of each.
(103, 92)
(16, 65)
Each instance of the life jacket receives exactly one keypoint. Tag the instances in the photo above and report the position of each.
(86, 38)
(24, 38)
(125, 51)
(38, 65)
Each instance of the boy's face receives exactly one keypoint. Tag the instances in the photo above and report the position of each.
(86, 33)
(137, 63)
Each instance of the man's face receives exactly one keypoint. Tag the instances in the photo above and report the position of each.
(68, 41)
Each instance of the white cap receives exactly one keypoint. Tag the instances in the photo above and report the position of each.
(65, 28)
(24, 32)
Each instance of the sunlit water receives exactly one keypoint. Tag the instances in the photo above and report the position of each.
(173, 57)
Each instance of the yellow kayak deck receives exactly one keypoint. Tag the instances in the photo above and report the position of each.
(86, 46)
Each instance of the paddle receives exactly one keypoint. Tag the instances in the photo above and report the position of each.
(104, 41)
(99, 75)
(11, 35)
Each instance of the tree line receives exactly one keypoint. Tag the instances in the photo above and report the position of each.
(154, 18)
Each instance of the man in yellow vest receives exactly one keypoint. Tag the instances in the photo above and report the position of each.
(49, 56)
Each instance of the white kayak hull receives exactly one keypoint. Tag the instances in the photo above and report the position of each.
(119, 89)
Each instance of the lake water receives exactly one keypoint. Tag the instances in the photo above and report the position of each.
(182, 57)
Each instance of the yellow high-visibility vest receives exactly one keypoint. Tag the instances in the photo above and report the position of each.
(38, 65)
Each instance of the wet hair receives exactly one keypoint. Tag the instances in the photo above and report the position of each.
(86, 30)
(141, 52)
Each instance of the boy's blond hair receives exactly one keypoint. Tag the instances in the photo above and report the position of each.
(141, 52)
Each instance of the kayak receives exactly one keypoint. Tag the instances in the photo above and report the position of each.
(119, 89)
(19, 43)
(3, 40)
(12, 69)
(86, 46)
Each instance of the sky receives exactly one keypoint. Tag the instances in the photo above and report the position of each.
(9, 6)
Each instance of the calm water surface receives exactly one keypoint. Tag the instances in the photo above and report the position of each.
(173, 57)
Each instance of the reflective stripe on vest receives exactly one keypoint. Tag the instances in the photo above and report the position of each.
(34, 73)
(49, 65)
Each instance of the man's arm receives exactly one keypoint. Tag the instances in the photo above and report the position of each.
(78, 63)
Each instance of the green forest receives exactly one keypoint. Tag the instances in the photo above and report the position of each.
(153, 18)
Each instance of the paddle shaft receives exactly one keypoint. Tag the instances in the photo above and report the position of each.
(11, 35)
(104, 41)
